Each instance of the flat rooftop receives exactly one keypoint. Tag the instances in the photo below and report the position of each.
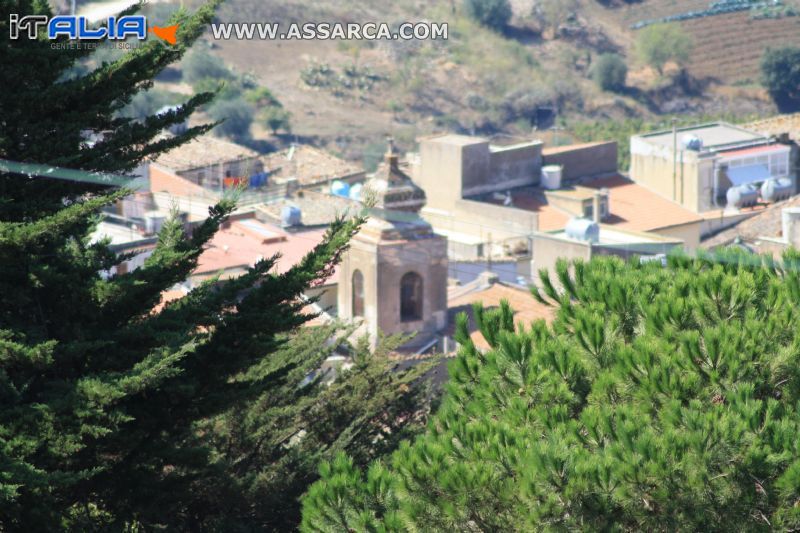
(456, 139)
(712, 135)
(616, 236)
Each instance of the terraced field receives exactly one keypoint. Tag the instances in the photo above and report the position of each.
(729, 47)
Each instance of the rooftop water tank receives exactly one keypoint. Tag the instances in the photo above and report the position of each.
(153, 222)
(583, 229)
(340, 188)
(742, 196)
(551, 176)
(355, 191)
(775, 190)
(290, 216)
(692, 142)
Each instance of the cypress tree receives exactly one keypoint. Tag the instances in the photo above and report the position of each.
(112, 415)
(660, 399)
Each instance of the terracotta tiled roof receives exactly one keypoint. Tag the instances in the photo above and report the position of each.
(237, 247)
(637, 208)
(753, 150)
(765, 224)
(309, 165)
(526, 308)
(632, 206)
(167, 297)
(317, 209)
(203, 151)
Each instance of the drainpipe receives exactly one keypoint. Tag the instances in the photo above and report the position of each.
(596, 207)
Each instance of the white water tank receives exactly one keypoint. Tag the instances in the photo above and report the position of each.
(551, 176)
(583, 229)
(692, 142)
(775, 190)
(742, 196)
(290, 216)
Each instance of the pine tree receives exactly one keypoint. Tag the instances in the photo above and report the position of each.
(660, 399)
(112, 415)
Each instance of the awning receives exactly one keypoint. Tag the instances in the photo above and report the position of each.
(748, 174)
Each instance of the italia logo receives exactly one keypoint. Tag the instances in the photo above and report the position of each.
(80, 28)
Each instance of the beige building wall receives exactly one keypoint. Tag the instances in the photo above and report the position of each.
(547, 250)
(584, 160)
(383, 265)
(677, 179)
(451, 167)
(690, 234)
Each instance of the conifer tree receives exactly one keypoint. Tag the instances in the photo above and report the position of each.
(660, 399)
(115, 416)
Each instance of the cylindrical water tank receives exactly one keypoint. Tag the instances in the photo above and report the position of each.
(692, 142)
(355, 191)
(775, 190)
(340, 188)
(290, 216)
(583, 229)
(742, 196)
(551, 176)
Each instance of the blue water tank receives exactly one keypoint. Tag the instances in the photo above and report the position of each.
(291, 216)
(355, 191)
(340, 188)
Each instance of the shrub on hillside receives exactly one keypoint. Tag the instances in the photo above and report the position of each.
(276, 118)
(200, 64)
(609, 72)
(493, 14)
(236, 116)
(780, 75)
(659, 44)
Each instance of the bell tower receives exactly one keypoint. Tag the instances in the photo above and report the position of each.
(394, 275)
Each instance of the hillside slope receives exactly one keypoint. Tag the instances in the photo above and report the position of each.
(482, 82)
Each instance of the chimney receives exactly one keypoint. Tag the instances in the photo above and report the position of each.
(790, 219)
(596, 203)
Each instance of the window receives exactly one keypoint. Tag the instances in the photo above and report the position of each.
(358, 294)
(410, 297)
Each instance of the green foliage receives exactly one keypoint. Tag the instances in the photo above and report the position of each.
(659, 44)
(780, 75)
(609, 72)
(276, 118)
(660, 399)
(235, 116)
(200, 64)
(147, 103)
(114, 416)
(272, 448)
(262, 97)
(494, 14)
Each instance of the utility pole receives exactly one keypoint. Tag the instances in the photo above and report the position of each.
(674, 159)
